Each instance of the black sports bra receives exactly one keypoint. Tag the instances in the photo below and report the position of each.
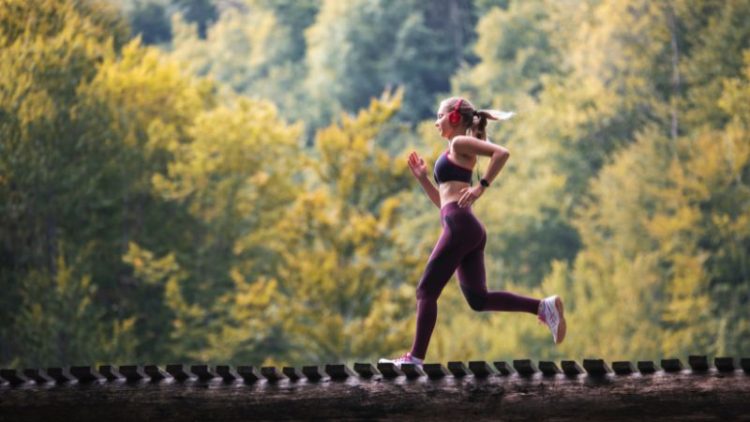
(446, 170)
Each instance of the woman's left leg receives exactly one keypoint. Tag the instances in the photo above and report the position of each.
(472, 279)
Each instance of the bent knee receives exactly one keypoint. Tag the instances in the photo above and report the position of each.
(477, 304)
(476, 300)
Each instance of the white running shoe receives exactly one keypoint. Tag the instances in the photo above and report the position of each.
(551, 313)
(405, 358)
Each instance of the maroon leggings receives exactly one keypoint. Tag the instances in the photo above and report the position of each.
(460, 247)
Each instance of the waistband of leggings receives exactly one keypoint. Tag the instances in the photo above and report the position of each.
(452, 208)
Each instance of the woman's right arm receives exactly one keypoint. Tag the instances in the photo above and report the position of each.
(419, 170)
(430, 190)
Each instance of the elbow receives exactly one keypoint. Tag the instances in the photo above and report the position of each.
(503, 154)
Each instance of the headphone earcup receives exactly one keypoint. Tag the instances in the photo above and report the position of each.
(454, 117)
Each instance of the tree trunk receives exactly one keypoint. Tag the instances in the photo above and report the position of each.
(708, 395)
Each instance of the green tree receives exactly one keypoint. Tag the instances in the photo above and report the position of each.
(232, 178)
(296, 15)
(251, 51)
(342, 271)
(59, 322)
(358, 49)
(515, 49)
(144, 106)
(713, 56)
(663, 263)
(54, 175)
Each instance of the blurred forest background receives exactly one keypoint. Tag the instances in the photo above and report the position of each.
(225, 181)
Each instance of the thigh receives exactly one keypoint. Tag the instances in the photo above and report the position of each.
(443, 261)
(471, 271)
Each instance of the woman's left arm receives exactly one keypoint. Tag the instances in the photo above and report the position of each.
(473, 146)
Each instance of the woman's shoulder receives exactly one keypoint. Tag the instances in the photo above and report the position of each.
(463, 159)
(472, 147)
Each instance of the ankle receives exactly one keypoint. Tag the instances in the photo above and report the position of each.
(412, 355)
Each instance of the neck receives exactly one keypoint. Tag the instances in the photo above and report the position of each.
(455, 134)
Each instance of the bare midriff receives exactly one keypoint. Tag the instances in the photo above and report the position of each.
(450, 191)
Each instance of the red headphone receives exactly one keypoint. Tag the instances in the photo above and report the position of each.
(454, 117)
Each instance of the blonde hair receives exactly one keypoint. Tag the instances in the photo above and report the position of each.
(475, 121)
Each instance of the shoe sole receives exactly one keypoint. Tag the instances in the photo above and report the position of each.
(561, 327)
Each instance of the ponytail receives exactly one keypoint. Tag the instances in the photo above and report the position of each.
(474, 120)
(479, 121)
(479, 125)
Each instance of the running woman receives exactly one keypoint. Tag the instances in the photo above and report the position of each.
(461, 244)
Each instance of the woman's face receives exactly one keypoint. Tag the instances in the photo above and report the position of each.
(442, 124)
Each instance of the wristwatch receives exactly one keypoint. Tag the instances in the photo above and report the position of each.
(484, 182)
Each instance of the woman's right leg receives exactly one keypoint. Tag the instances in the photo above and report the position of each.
(440, 267)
